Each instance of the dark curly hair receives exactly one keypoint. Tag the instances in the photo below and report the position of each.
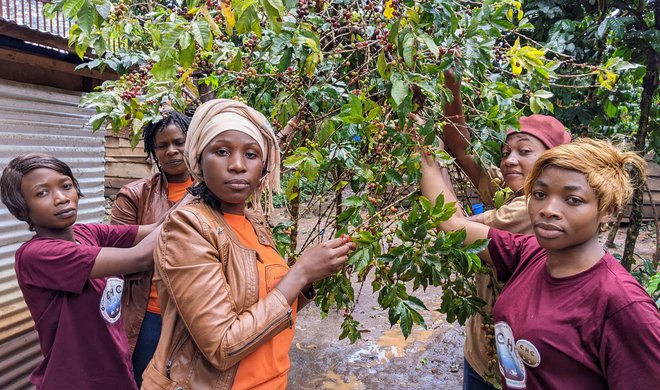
(149, 131)
(201, 190)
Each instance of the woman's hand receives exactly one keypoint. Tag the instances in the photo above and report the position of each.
(324, 259)
(314, 264)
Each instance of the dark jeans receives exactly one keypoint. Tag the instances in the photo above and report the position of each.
(146, 344)
(472, 380)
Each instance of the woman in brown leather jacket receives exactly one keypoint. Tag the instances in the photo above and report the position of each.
(145, 202)
(228, 299)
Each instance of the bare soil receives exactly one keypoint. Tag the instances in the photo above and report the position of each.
(430, 358)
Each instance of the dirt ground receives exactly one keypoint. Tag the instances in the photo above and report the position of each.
(428, 359)
(383, 359)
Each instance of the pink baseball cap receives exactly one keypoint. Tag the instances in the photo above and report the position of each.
(546, 128)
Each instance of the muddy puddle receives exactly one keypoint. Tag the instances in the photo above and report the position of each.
(430, 358)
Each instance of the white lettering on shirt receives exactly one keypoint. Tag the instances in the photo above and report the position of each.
(110, 305)
(511, 365)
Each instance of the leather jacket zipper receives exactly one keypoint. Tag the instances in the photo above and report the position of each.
(176, 349)
(287, 315)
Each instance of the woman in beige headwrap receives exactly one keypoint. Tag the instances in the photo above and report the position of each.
(228, 299)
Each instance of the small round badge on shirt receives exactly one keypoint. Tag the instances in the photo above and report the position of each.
(528, 353)
(110, 305)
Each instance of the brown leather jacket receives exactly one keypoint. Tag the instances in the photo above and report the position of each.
(208, 291)
(141, 202)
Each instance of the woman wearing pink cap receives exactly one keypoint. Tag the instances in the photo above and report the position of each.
(522, 148)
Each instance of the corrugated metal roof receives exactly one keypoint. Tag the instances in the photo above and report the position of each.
(39, 119)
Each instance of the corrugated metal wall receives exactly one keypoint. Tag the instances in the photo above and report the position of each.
(39, 119)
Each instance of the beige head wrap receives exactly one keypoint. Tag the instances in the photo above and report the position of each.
(220, 115)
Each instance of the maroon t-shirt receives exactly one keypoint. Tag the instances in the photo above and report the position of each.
(78, 319)
(598, 329)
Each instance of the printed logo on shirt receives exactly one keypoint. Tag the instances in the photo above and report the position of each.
(511, 364)
(111, 300)
(528, 353)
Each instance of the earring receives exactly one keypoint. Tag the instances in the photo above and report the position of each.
(603, 227)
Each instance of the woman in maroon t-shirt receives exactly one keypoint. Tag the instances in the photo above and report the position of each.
(570, 316)
(65, 273)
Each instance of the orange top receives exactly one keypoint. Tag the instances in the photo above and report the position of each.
(266, 368)
(175, 192)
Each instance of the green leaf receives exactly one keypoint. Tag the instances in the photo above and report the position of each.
(360, 259)
(428, 41)
(399, 89)
(353, 201)
(310, 63)
(326, 131)
(187, 55)
(202, 33)
(70, 8)
(294, 160)
(86, 18)
(408, 49)
(406, 319)
(104, 8)
(164, 69)
(477, 247)
(543, 94)
(653, 284)
(136, 127)
(274, 10)
(349, 329)
(285, 60)
(97, 120)
(80, 49)
(534, 105)
(610, 109)
(236, 63)
(248, 21)
(356, 106)
(394, 177)
(382, 66)
(394, 32)
(351, 113)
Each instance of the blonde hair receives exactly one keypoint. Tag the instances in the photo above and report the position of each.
(602, 164)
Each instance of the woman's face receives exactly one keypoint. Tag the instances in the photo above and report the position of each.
(52, 201)
(169, 145)
(518, 157)
(563, 209)
(232, 164)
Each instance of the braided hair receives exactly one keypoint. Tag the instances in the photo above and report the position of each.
(149, 131)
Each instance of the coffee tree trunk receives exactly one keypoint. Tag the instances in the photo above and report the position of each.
(650, 84)
(613, 230)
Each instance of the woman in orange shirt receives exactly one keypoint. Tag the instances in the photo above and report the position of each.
(144, 202)
(228, 299)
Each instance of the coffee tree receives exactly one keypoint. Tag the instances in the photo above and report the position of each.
(338, 80)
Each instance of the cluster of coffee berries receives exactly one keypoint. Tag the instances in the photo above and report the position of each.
(252, 42)
(118, 11)
(303, 9)
(134, 82)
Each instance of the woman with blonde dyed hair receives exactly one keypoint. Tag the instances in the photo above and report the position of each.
(228, 299)
(570, 316)
(600, 163)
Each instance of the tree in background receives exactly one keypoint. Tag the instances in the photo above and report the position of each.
(338, 80)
